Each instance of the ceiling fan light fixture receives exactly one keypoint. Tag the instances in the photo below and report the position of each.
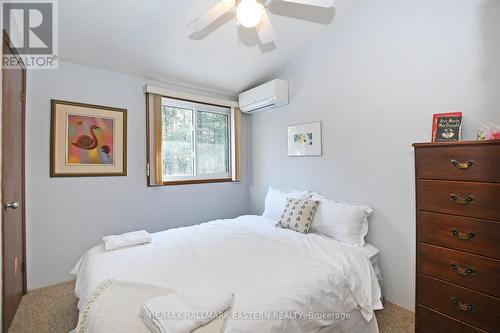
(249, 13)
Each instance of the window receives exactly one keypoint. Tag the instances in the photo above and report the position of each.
(193, 143)
(196, 140)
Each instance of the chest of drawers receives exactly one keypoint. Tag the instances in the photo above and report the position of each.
(458, 237)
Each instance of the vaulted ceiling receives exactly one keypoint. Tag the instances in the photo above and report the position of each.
(149, 38)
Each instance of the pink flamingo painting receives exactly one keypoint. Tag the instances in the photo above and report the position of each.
(87, 142)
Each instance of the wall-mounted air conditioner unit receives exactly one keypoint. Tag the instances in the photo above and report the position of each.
(265, 97)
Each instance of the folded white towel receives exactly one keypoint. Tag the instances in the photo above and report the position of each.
(114, 242)
(182, 313)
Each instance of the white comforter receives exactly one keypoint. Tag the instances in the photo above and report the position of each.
(270, 270)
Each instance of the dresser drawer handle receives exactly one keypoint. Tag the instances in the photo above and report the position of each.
(462, 165)
(463, 236)
(462, 306)
(462, 271)
(463, 201)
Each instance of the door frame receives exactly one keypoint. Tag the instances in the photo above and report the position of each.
(5, 44)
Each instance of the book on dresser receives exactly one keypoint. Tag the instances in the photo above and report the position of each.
(458, 237)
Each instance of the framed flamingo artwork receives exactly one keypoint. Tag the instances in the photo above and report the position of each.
(87, 140)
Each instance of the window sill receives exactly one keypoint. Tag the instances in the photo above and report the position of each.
(198, 181)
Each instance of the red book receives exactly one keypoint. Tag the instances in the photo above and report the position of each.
(446, 127)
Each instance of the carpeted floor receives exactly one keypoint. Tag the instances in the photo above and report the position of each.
(53, 310)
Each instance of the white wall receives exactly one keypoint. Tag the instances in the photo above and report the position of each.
(374, 80)
(66, 216)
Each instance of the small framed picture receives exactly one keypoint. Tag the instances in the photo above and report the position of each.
(87, 140)
(304, 140)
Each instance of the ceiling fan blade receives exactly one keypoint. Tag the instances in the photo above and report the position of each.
(317, 3)
(265, 30)
(203, 21)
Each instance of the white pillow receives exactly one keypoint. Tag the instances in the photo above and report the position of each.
(344, 222)
(275, 202)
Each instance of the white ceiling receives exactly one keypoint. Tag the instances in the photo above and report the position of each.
(150, 39)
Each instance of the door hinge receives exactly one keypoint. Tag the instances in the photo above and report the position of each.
(147, 169)
(23, 97)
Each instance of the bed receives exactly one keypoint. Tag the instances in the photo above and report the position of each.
(269, 270)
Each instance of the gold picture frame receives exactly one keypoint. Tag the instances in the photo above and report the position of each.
(87, 140)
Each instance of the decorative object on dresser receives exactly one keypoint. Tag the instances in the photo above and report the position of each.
(488, 131)
(458, 236)
(87, 140)
(447, 127)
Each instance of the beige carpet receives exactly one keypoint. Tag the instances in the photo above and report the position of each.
(53, 310)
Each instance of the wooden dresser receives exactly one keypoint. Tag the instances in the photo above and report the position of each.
(458, 237)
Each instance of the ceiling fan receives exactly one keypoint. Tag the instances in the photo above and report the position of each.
(250, 14)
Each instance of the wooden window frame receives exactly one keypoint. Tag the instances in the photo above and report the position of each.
(153, 128)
